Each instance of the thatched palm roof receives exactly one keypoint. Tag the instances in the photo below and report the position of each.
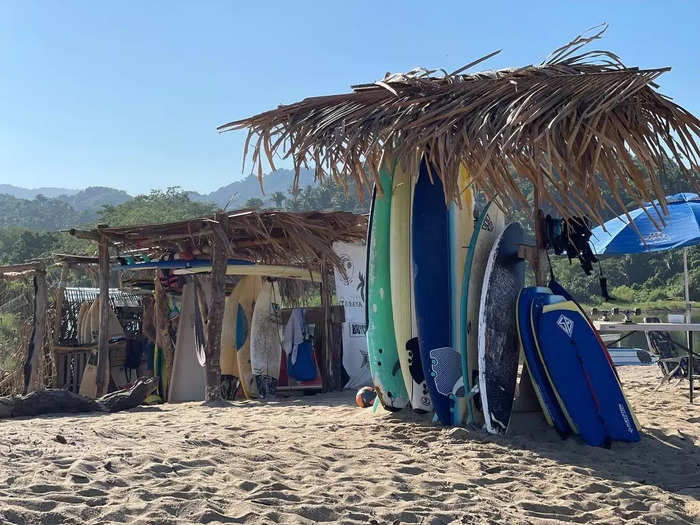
(575, 121)
(261, 236)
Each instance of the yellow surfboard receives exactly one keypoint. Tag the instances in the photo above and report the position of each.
(400, 274)
(461, 220)
(244, 295)
(229, 360)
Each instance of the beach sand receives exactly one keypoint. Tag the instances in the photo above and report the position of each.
(319, 458)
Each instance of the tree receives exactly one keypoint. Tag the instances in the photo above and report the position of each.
(170, 205)
(278, 198)
(254, 203)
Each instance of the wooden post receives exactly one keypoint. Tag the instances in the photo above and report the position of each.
(215, 318)
(59, 298)
(36, 345)
(163, 340)
(526, 399)
(689, 319)
(102, 380)
(330, 372)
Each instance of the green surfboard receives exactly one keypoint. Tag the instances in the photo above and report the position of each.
(384, 363)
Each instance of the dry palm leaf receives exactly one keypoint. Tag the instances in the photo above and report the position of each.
(575, 122)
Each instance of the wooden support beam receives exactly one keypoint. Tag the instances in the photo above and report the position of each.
(163, 339)
(526, 399)
(215, 317)
(33, 370)
(102, 380)
(59, 296)
(85, 234)
(331, 359)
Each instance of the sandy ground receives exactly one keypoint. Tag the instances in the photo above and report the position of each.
(319, 458)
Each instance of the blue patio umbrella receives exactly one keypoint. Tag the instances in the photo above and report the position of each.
(680, 229)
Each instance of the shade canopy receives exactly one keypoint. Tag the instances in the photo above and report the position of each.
(571, 125)
(680, 227)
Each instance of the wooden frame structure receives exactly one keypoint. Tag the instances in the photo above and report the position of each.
(302, 239)
(33, 379)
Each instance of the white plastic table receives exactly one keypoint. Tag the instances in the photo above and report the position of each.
(613, 326)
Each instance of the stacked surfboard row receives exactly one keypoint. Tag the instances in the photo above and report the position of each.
(442, 288)
(571, 370)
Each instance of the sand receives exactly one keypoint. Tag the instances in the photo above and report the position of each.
(319, 458)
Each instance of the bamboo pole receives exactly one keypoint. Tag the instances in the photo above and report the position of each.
(102, 380)
(215, 317)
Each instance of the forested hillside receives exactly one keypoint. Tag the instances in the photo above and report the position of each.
(28, 228)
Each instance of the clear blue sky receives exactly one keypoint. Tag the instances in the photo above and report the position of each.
(128, 94)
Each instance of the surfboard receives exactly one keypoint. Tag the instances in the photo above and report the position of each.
(228, 360)
(533, 363)
(82, 312)
(384, 363)
(265, 342)
(499, 347)
(461, 228)
(174, 264)
(489, 225)
(266, 270)
(431, 266)
(244, 294)
(581, 374)
(400, 275)
(187, 378)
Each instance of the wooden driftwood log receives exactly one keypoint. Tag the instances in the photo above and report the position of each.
(58, 401)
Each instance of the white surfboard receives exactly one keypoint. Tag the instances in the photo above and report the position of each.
(187, 380)
(265, 341)
(489, 226)
(267, 270)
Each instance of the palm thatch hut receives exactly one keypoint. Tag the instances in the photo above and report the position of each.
(260, 236)
(570, 125)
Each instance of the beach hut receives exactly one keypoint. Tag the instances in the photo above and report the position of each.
(242, 242)
(575, 123)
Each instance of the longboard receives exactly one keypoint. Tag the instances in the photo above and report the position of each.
(244, 294)
(383, 355)
(461, 223)
(402, 286)
(265, 270)
(431, 285)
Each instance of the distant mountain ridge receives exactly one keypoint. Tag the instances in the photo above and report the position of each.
(61, 207)
(31, 193)
(237, 193)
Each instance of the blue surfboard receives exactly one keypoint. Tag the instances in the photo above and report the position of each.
(540, 382)
(175, 264)
(581, 374)
(431, 285)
